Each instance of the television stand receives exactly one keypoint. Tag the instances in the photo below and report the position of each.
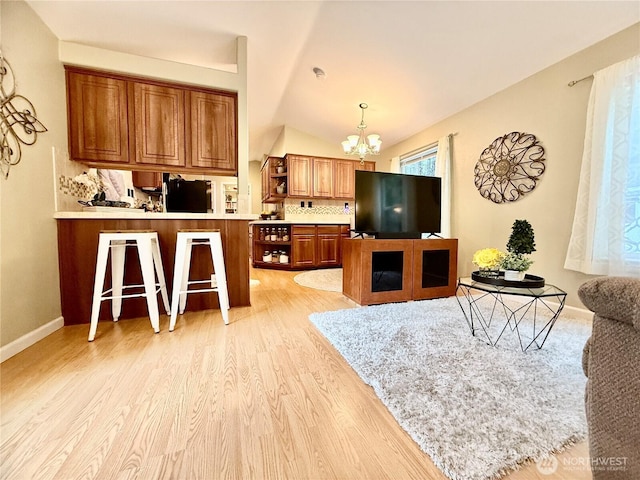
(384, 270)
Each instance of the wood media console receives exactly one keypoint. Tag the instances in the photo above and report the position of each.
(383, 271)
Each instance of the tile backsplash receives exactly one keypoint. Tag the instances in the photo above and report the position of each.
(320, 211)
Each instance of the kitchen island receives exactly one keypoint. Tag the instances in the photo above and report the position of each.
(78, 234)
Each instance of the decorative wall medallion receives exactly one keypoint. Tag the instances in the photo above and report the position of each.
(18, 122)
(509, 167)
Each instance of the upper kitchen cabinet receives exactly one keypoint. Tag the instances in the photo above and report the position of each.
(117, 121)
(158, 125)
(97, 116)
(323, 177)
(344, 175)
(213, 126)
(300, 175)
(274, 180)
(319, 177)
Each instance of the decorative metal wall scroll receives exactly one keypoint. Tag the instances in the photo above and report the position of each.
(509, 167)
(18, 122)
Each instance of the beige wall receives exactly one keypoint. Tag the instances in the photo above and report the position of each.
(545, 106)
(29, 286)
(291, 140)
(255, 180)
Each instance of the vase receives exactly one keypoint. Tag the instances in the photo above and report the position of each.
(513, 275)
(488, 272)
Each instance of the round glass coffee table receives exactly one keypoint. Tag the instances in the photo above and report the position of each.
(491, 311)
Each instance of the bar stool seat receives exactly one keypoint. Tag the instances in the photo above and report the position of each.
(116, 242)
(218, 281)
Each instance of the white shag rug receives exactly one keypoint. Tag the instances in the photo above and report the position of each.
(329, 279)
(476, 410)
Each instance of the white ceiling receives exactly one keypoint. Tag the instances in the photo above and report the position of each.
(414, 62)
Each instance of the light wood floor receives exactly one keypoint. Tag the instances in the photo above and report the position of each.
(265, 397)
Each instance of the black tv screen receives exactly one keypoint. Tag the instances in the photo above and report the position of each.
(393, 205)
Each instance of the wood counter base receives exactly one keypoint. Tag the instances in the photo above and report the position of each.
(77, 251)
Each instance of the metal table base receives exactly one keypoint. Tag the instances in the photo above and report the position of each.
(483, 310)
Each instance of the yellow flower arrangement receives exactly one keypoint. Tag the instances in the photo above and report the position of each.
(488, 258)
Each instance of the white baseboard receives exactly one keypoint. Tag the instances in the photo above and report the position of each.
(30, 338)
(579, 313)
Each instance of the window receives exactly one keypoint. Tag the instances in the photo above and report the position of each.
(420, 162)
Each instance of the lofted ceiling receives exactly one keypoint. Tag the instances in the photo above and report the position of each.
(414, 62)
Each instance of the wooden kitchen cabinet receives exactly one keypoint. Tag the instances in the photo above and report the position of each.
(131, 123)
(213, 131)
(158, 125)
(368, 166)
(328, 245)
(345, 179)
(303, 246)
(320, 177)
(308, 246)
(97, 117)
(300, 176)
(323, 177)
(274, 180)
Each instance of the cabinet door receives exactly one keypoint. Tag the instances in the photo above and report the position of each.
(368, 166)
(303, 250)
(159, 124)
(213, 132)
(328, 243)
(98, 123)
(345, 179)
(323, 178)
(299, 176)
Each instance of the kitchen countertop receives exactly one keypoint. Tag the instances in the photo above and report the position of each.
(298, 222)
(138, 214)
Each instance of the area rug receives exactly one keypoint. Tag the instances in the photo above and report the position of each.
(478, 411)
(329, 279)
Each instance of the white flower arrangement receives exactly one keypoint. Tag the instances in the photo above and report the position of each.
(515, 261)
(91, 183)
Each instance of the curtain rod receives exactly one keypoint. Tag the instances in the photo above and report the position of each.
(425, 147)
(573, 82)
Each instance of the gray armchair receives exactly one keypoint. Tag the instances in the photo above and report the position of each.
(611, 361)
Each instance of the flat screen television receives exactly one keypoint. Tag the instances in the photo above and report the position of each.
(393, 205)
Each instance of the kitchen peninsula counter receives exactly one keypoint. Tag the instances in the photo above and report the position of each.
(78, 234)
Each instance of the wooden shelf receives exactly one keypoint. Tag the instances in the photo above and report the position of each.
(269, 242)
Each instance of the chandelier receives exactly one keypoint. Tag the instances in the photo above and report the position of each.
(361, 145)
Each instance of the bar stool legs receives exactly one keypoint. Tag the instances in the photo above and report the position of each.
(150, 264)
(218, 282)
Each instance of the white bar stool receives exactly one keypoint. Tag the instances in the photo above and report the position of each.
(148, 247)
(218, 281)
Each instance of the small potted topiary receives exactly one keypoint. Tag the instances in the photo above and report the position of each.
(521, 243)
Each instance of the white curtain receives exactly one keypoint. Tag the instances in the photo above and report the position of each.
(605, 239)
(443, 170)
(395, 165)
